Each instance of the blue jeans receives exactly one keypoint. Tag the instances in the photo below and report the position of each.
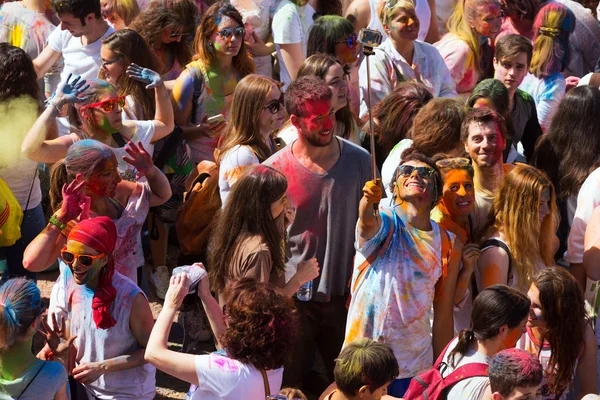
(398, 387)
(33, 223)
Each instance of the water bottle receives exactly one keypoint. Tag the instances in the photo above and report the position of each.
(305, 292)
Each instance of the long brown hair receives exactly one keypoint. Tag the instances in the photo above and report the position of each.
(563, 310)
(242, 62)
(128, 46)
(247, 213)
(516, 210)
(246, 107)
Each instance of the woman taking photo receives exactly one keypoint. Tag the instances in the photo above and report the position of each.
(248, 238)
(205, 89)
(560, 335)
(401, 57)
(524, 203)
(257, 113)
(253, 340)
(466, 48)
(109, 346)
(91, 186)
(23, 375)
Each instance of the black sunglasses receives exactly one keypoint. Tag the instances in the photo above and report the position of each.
(407, 170)
(275, 105)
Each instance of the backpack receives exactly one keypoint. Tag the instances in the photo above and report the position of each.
(430, 385)
(11, 216)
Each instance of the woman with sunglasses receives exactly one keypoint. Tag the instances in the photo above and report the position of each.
(453, 214)
(95, 109)
(22, 374)
(521, 239)
(329, 69)
(406, 266)
(87, 183)
(108, 317)
(401, 57)
(205, 89)
(257, 112)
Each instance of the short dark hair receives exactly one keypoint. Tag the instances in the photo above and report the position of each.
(512, 368)
(481, 115)
(412, 154)
(509, 46)
(78, 8)
(364, 362)
(302, 90)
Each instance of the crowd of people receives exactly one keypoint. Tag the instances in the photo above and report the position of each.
(454, 254)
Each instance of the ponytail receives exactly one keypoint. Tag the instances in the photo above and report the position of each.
(20, 304)
(465, 338)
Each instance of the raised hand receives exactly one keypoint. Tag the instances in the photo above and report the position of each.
(145, 75)
(178, 289)
(69, 91)
(56, 336)
(75, 202)
(139, 158)
(372, 191)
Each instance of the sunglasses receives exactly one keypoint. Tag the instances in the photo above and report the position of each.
(351, 40)
(407, 170)
(105, 63)
(84, 259)
(108, 105)
(238, 32)
(275, 105)
(447, 162)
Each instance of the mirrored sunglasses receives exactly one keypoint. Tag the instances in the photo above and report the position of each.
(238, 32)
(407, 170)
(108, 105)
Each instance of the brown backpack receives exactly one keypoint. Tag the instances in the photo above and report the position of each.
(201, 202)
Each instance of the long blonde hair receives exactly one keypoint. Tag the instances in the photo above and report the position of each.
(246, 107)
(464, 14)
(516, 211)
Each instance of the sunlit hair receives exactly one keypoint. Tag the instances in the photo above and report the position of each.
(494, 307)
(80, 120)
(318, 65)
(127, 10)
(396, 112)
(454, 166)
(482, 116)
(522, 9)
(364, 362)
(516, 209)
(244, 122)
(326, 32)
(129, 47)
(508, 47)
(302, 90)
(261, 324)
(563, 310)
(570, 151)
(247, 214)
(436, 127)
(495, 91)
(17, 75)
(412, 154)
(551, 29)
(20, 304)
(160, 14)
(387, 14)
(513, 368)
(464, 15)
(324, 7)
(207, 31)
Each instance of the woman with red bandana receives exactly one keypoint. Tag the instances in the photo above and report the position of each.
(110, 343)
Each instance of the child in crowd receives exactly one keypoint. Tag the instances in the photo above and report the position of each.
(515, 374)
(363, 370)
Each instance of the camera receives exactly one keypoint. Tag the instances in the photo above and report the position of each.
(370, 38)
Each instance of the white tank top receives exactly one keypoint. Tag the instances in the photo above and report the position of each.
(421, 8)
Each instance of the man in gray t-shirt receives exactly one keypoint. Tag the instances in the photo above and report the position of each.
(325, 178)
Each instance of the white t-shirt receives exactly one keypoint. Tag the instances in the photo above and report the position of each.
(233, 164)
(391, 164)
(291, 24)
(224, 378)
(470, 388)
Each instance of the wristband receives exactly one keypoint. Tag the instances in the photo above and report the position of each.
(54, 221)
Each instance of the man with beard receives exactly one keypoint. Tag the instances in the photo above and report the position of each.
(483, 133)
(325, 175)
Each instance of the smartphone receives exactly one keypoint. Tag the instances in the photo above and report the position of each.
(216, 119)
(370, 37)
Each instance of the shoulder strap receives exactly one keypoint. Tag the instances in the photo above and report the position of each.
(266, 382)
(119, 139)
(379, 251)
(465, 372)
(503, 246)
(198, 77)
(440, 358)
(32, 379)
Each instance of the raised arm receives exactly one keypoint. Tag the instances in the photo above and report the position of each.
(369, 220)
(359, 13)
(292, 56)
(44, 61)
(470, 255)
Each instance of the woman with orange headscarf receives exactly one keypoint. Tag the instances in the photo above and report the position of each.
(109, 347)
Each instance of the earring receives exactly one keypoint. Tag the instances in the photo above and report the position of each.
(211, 44)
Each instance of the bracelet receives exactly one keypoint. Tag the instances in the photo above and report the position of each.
(51, 103)
(54, 221)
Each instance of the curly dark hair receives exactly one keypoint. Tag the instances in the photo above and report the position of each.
(17, 75)
(261, 324)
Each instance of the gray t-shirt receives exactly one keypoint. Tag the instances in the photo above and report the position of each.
(48, 382)
(326, 214)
